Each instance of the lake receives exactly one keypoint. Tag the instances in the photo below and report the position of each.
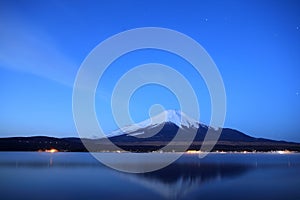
(37, 175)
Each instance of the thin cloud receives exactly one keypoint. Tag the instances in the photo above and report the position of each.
(26, 48)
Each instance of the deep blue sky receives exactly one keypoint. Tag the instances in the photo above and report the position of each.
(255, 45)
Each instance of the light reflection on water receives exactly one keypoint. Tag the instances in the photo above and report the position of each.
(80, 176)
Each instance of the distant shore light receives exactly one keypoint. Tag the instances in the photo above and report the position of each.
(284, 152)
(51, 150)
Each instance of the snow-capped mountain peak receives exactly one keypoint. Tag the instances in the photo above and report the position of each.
(175, 117)
(169, 116)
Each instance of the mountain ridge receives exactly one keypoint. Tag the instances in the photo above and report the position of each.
(176, 117)
(152, 135)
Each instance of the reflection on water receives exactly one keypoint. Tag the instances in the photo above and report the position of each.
(176, 180)
(80, 176)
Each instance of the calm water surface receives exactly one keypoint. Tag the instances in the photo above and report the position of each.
(217, 176)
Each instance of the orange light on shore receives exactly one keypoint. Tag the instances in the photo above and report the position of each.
(51, 150)
(192, 152)
(284, 152)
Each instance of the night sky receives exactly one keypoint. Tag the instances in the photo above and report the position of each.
(255, 45)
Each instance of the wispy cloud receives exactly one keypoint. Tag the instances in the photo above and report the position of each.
(26, 48)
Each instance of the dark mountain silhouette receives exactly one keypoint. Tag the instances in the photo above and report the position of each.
(152, 135)
(157, 132)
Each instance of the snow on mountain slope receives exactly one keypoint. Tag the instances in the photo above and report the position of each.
(168, 116)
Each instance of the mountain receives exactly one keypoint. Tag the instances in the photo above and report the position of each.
(169, 122)
(174, 117)
(152, 135)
